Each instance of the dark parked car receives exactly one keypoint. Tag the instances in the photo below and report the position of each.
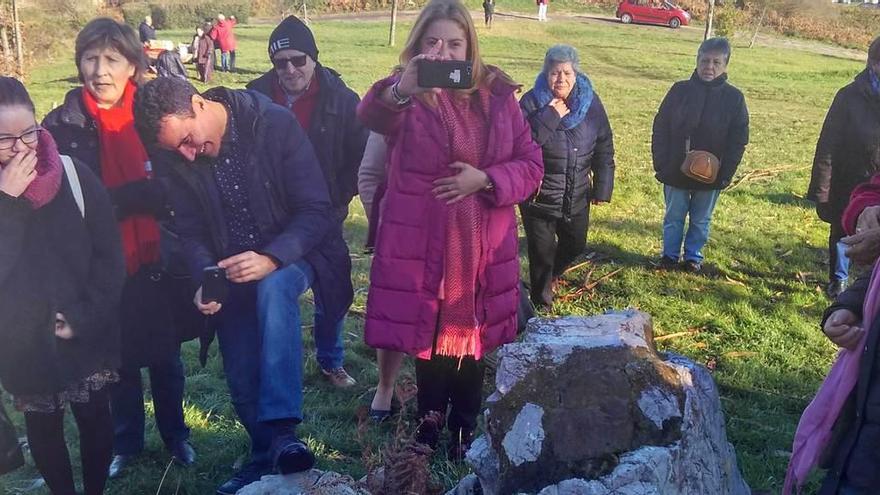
(652, 12)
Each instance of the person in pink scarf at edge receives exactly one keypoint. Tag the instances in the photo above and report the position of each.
(840, 429)
(61, 277)
(444, 283)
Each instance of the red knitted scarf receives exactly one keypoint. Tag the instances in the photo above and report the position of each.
(123, 160)
(459, 322)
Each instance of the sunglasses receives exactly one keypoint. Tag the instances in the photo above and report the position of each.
(297, 62)
(28, 137)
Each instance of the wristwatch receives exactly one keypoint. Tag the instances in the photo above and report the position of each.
(395, 93)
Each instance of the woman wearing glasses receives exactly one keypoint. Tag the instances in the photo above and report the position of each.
(96, 125)
(61, 275)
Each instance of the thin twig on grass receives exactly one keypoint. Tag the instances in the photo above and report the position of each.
(765, 173)
(593, 285)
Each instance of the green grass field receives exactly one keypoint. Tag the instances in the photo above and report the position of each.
(755, 316)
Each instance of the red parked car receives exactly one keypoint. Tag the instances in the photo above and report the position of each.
(652, 12)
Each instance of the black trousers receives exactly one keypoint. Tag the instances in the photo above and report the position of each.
(553, 244)
(45, 433)
(443, 381)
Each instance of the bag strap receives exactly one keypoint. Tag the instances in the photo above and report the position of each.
(75, 186)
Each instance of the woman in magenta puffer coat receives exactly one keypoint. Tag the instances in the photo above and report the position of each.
(444, 283)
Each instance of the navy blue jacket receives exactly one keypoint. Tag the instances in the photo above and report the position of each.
(336, 134)
(578, 162)
(287, 194)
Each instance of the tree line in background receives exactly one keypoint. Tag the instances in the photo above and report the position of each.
(848, 26)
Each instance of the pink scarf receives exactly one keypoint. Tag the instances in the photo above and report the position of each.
(48, 181)
(817, 421)
(459, 322)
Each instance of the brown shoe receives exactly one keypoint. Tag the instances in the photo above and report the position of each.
(339, 377)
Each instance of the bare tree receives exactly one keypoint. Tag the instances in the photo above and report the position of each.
(710, 17)
(393, 31)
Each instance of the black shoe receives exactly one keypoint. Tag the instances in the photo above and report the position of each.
(119, 464)
(379, 415)
(693, 266)
(428, 432)
(835, 287)
(248, 474)
(291, 455)
(668, 263)
(183, 453)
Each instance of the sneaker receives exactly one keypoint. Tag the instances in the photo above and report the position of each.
(339, 377)
(249, 473)
(668, 263)
(291, 455)
(693, 266)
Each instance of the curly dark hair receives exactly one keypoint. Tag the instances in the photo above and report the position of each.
(158, 99)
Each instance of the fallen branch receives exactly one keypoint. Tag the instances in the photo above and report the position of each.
(764, 174)
(593, 285)
(675, 335)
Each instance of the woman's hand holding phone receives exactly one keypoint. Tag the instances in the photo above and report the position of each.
(408, 85)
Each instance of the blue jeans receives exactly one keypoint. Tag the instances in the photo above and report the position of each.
(680, 203)
(260, 336)
(127, 406)
(227, 61)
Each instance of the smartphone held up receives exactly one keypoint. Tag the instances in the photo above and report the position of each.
(452, 74)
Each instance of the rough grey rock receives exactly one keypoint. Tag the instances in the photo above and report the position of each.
(587, 406)
(313, 482)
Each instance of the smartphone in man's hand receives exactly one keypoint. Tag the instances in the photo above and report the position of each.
(215, 287)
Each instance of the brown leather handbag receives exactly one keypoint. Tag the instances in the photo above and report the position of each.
(699, 165)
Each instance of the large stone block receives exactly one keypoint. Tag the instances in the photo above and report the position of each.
(588, 406)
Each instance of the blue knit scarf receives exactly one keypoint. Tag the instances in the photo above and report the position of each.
(578, 101)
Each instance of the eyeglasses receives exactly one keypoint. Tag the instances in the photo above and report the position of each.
(297, 62)
(28, 137)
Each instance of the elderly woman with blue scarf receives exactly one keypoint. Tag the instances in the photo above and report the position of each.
(569, 122)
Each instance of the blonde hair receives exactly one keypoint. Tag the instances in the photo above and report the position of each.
(455, 11)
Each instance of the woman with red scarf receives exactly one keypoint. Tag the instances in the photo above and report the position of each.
(61, 276)
(96, 125)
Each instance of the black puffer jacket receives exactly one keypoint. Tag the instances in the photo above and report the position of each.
(714, 116)
(578, 162)
(336, 134)
(848, 150)
(154, 317)
(857, 432)
(54, 260)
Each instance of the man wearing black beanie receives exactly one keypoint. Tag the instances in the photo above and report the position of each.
(325, 108)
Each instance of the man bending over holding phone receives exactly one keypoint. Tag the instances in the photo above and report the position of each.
(325, 107)
(250, 198)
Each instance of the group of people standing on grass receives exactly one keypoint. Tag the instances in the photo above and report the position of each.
(113, 208)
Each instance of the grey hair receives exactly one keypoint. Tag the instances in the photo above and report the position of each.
(717, 45)
(560, 54)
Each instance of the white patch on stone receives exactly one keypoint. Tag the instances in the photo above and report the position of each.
(524, 440)
(658, 406)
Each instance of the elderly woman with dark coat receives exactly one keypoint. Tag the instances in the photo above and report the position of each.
(96, 125)
(703, 113)
(569, 122)
(61, 276)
